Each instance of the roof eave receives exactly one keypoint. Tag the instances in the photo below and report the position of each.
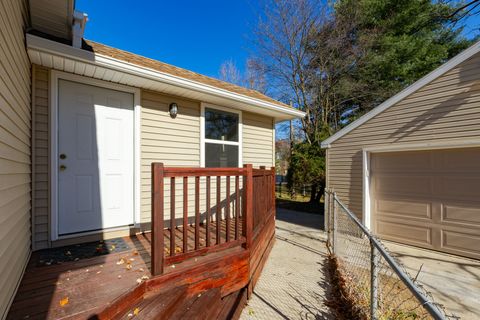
(43, 46)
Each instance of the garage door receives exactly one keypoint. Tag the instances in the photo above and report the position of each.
(429, 199)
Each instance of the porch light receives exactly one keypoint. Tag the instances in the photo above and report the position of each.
(173, 109)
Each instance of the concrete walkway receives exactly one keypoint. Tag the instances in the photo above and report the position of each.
(453, 281)
(293, 284)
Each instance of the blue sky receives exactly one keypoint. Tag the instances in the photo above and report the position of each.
(192, 34)
(196, 35)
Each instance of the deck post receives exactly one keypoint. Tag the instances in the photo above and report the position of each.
(157, 246)
(273, 208)
(248, 204)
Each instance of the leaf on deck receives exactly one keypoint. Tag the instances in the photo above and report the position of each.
(64, 302)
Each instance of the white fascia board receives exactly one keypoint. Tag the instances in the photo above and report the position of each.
(51, 47)
(444, 68)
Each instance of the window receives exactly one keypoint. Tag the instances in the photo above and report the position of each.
(221, 132)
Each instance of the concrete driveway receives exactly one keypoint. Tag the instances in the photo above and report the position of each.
(293, 284)
(453, 281)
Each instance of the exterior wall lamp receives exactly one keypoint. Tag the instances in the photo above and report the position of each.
(173, 110)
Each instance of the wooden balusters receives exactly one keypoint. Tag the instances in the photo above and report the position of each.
(172, 216)
(227, 210)
(197, 213)
(237, 207)
(246, 212)
(218, 217)
(185, 214)
(208, 215)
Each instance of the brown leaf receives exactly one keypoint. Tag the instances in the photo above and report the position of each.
(136, 311)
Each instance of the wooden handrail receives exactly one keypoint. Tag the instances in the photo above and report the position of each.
(249, 214)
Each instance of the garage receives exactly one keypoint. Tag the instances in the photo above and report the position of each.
(428, 198)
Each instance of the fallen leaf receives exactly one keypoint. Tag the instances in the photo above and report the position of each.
(130, 315)
(64, 302)
(131, 259)
(141, 269)
(251, 312)
(119, 277)
(121, 261)
(139, 280)
(128, 267)
(99, 272)
(136, 311)
(113, 247)
(135, 253)
(173, 266)
(87, 270)
(145, 277)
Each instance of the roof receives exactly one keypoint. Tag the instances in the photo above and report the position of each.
(139, 60)
(444, 68)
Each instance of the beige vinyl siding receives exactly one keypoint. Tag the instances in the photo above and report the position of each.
(175, 142)
(258, 140)
(41, 152)
(447, 109)
(15, 133)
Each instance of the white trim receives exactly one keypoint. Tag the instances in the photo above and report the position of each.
(367, 154)
(48, 47)
(238, 143)
(452, 63)
(53, 83)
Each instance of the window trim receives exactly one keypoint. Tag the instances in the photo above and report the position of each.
(203, 140)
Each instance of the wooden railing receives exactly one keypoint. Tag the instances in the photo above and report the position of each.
(244, 210)
(263, 197)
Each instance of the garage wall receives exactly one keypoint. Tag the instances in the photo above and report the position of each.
(15, 134)
(447, 109)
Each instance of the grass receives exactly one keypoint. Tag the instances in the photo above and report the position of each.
(298, 204)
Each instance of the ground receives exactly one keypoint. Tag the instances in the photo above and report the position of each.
(452, 280)
(294, 283)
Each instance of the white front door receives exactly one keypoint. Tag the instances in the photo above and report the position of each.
(95, 158)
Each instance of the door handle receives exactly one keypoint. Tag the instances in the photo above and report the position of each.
(63, 156)
(63, 167)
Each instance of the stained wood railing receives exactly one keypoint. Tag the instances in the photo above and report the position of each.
(234, 219)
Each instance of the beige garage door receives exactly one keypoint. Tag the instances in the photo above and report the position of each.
(429, 199)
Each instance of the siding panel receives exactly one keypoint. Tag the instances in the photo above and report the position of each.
(447, 109)
(15, 135)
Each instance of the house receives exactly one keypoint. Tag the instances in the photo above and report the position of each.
(410, 168)
(81, 124)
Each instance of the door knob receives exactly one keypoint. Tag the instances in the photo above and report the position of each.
(63, 156)
(62, 167)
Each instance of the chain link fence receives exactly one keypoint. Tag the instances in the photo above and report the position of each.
(377, 282)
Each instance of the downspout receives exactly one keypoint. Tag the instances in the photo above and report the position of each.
(78, 28)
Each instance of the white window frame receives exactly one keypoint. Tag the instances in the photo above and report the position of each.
(203, 140)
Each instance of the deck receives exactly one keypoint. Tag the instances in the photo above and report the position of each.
(93, 282)
(137, 278)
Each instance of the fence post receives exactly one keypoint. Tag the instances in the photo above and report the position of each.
(334, 225)
(248, 204)
(373, 281)
(157, 249)
(326, 215)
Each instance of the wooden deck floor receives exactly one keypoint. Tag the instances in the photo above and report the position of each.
(77, 289)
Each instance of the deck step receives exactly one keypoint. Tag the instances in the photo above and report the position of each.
(201, 306)
(156, 305)
(232, 305)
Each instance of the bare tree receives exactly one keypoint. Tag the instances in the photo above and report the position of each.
(230, 73)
